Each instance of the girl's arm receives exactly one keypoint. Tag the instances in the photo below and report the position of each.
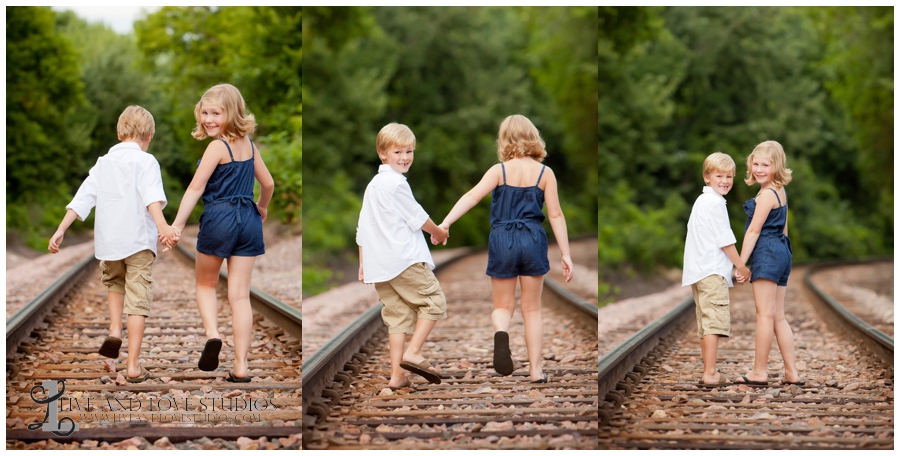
(211, 158)
(266, 185)
(764, 204)
(472, 197)
(558, 223)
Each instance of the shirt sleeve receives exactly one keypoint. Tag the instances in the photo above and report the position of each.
(86, 197)
(408, 208)
(721, 227)
(151, 187)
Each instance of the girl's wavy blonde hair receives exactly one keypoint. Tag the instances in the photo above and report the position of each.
(238, 122)
(518, 137)
(772, 150)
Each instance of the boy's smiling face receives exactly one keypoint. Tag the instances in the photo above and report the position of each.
(720, 181)
(399, 158)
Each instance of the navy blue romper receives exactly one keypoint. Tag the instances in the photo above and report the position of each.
(517, 245)
(231, 223)
(771, 258)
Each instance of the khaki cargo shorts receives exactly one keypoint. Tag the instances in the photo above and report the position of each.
(415, 293)
(131, 277)
(713, 314)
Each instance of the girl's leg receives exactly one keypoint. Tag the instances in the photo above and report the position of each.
(503, 292)
(785, 338)
(239, 271)
(207, 268)
(764, 292)
(532, 286)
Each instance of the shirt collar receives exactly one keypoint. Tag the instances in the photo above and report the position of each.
(127, 145)
(708, 189)
(387, 169)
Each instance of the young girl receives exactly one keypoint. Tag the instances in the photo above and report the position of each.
(770, 264)
(517, 247)
(231, 223)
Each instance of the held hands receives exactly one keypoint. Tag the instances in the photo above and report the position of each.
(169, 236)
(568, 270)
(55, 241)
(742, 275)
(445, 233)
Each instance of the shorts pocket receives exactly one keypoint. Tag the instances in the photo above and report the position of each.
(720, 318)
(145, 284)
(433, 300)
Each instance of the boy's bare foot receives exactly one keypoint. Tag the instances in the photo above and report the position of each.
(415, 359)
(403, 382)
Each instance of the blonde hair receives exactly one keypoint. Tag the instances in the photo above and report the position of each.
(394, 134)
(518, 137)
(717, 161)
(135, 122)
(238, 122)
(772, 150)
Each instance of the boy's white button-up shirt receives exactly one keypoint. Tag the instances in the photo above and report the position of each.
(708, 231)
(121, 185)
(390, 228)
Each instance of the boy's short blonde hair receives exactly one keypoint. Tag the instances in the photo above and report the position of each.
(518, 137)
(238, 121)
(135, 122)
(718, 161)
(394, 135)
(781, 174)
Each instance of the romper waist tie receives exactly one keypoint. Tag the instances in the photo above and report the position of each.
(517, 224)
(236, 200)
(783, 238)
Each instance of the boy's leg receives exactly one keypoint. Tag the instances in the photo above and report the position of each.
(396, 343)
(532, 286)
(239, 271)
(413, 353)
(709, 347)
(116, 304)
(135, 339)
(503, 292)
(207, 271)
(138, 297)
(113, 277)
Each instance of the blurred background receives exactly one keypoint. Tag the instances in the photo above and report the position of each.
(452, 74)
(68, 79)
(678, 83)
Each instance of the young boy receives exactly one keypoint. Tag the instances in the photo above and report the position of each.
(394, 256)
(126, 187)
(709, 255)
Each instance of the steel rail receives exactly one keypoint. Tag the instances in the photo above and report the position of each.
(286, 317)
(615, 366)
(21, 323)
(560, 294)
(880, 343)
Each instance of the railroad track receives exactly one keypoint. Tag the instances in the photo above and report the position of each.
(347, 404)
(650, 400)
(56, 336)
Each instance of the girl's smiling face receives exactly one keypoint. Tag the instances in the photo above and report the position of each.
(399, 158)
(211, 118)
(762, 169)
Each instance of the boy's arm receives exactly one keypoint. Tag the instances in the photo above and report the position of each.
(742, 270)
(435, 231)
(57, 237)
(169, 235)
(361, 278)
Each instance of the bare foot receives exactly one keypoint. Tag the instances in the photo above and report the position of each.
(415, 359)
(714, 380)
